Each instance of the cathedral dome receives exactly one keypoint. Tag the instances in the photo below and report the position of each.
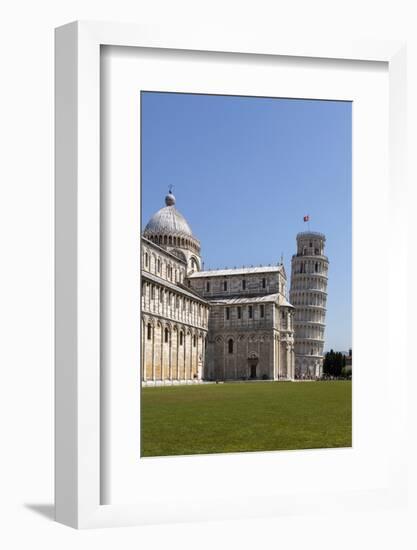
(168, 221)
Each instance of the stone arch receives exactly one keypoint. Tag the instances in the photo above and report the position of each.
(149, 330)
(194, 264)
(146, 259)
(252, 364)
(148, 319)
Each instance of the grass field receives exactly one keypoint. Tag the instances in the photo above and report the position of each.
(232, 417)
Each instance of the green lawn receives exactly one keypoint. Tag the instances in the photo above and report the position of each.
(260, 416)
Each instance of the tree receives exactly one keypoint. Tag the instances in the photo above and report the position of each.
(333, 363)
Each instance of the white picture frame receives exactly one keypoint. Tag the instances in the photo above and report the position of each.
(78, 405)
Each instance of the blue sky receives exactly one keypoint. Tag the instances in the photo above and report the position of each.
(245, 171)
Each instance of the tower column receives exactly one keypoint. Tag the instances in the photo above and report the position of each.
(309, 269)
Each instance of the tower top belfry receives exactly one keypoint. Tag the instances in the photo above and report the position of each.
(310, 243)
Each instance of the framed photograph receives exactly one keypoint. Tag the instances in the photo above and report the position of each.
(222, 275)
(252, 325)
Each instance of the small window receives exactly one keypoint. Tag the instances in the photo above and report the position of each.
(262, 310)
(166, 335)
(149, 331)
(225, 285)
(161, 295)
(152, 292)
(207, 287)
(263, 283)
(228, 313)
(250, 312)
(239, 312)
(316, 267)
(243, 284)
(181, 338)
(146, 259)
(283, 315)
(194, 341)
(159, 265)
(230, 345)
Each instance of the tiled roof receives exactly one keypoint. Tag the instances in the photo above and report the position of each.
(172, 286)
(236, 300)
(236, 271)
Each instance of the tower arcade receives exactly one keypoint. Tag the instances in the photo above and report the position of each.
(308, 295)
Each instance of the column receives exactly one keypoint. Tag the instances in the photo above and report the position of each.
(162, 351)
(177, 356)
(153, 351)
(170, 354)
(143, 338)
(288, 360)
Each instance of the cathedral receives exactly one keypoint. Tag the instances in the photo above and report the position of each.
(227, 324)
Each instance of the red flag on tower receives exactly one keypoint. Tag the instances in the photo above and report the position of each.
(306, 218)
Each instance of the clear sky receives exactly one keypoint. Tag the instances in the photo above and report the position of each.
(245, 171)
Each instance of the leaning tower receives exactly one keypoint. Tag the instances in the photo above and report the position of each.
(308, 295)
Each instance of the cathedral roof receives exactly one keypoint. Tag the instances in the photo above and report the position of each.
(278, 298)
(173, 286)
(168, 221)
(236, 271)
